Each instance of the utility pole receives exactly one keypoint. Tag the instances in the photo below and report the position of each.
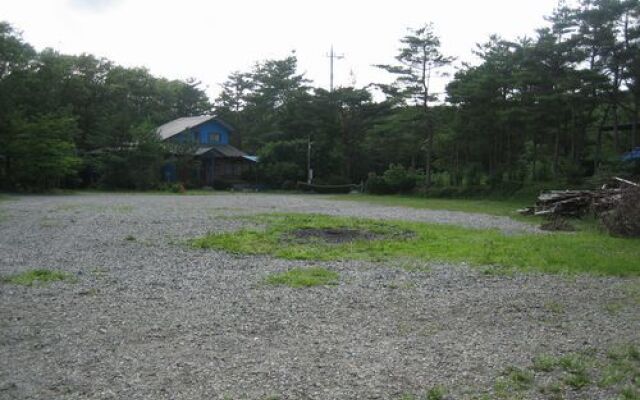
(332, 56)
(309, 170)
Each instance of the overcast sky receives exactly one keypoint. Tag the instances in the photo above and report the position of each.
(210, 39)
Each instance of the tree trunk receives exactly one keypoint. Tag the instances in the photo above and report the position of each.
(427, 165)
(456, 179)
(616, 131)
(534, 175)
(634, 129)
(597, 160)
(556, 153)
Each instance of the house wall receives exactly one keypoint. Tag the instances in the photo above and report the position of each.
(203, 134)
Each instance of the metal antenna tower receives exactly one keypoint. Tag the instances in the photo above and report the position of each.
(332, 56)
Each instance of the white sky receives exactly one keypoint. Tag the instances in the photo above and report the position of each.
(210, 39)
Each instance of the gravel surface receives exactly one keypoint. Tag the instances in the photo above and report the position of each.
(149, 318)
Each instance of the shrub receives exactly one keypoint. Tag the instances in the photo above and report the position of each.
(377, 185)
(222, 185)
(173, 187)
(396, 179)
(624, 219)
(399, 179)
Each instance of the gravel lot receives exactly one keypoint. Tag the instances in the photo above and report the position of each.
(152, 319)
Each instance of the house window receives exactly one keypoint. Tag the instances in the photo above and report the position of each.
(195, 136)
(214, 137)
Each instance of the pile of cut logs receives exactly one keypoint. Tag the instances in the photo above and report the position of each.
(577, 203)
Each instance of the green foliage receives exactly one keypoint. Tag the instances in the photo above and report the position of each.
(35, 276)
(581, 252)
(396, 179)
(549, 108)
(68, 121)
(399, 179)
(304, 277)
(283, 161)
(377, 185)
(40, 153)
(136, 164)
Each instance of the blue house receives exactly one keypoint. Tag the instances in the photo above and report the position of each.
(633, 155)
(207, 138)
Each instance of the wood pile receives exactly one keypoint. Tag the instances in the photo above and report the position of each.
(577, 203)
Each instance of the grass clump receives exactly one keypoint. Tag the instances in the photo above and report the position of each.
(34, 276)
(304, 277)
(576, 366)
(436, 393)
(573, 363)
(582, 252)
(544, 363)
(519, 379)
(613, 374)
(630, 393)
(577, 380)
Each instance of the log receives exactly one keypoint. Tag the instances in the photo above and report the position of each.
(574, 203)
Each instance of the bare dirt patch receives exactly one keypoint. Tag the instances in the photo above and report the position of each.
(333, 235)
(342, 235)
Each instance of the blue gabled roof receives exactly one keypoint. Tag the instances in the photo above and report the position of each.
(179, 125)
(632, 155)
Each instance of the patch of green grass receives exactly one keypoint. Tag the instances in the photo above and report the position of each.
(492, 207)
(34, 276)
(554, 307)
(573, 363)
(544, 363)
(630, 393)
(581, 252)
(577, 380)
(436, 393)
(552, 389)
(577, 367)
(130, 238)
(519, 379)
(611, 375)
(304, 277)
(613, 308)
(573, 375)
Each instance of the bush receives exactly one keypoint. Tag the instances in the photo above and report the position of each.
(333, 180)
(174, 188)
(624, 219)
(39, 154)
(377, 185)
(288, 185)
(399, 179)
(222, 184)
(396, 179)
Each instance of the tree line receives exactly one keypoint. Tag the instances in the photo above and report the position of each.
(82, 121)
(561, 106)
